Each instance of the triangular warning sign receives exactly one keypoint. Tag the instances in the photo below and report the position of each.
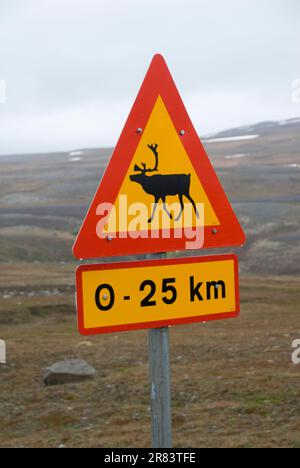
(160, 192)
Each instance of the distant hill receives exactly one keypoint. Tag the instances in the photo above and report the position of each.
(261, 129)
(44, 197)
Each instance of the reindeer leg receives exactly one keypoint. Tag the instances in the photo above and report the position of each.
(154, 210)
(166, 209)
(188, 196)
(182, 207)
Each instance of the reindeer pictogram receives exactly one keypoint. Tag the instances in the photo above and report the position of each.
(162, 186)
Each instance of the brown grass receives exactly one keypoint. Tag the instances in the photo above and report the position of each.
(233, 383)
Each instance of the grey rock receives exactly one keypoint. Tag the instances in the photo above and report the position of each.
(68, 371)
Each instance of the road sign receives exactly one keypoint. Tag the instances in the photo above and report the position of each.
(157, 293)
(160, 192)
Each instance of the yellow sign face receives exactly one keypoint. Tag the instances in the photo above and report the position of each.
(156, 293)
(172, 159)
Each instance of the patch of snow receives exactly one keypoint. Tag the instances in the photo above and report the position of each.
(295, 165)
(229, 139)
(76, 153)
(75, 159)
(208, 136)
(236, 156)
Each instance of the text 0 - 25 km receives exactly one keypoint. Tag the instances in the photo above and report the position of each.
(156, 293)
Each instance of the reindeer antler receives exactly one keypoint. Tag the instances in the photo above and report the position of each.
(144, 169)
(153, 148)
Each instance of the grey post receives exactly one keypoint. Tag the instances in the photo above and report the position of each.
(160, 388)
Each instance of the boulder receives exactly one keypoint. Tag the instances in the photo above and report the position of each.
(68, 371)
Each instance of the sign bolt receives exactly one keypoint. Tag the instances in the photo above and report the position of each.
(109, 238)
(105, 297)
(182, 132)
(139, 130)
(215, 231)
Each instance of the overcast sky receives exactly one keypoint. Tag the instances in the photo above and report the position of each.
(73, 67)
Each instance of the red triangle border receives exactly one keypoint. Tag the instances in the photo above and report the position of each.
(158, 81)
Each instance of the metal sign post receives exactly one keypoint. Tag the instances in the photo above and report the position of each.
(160, 387)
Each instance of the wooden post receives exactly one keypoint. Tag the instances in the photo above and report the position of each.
(160, 388)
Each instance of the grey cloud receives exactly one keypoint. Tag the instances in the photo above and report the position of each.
(73, 67)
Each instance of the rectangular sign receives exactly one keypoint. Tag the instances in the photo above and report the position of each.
(152, 294)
